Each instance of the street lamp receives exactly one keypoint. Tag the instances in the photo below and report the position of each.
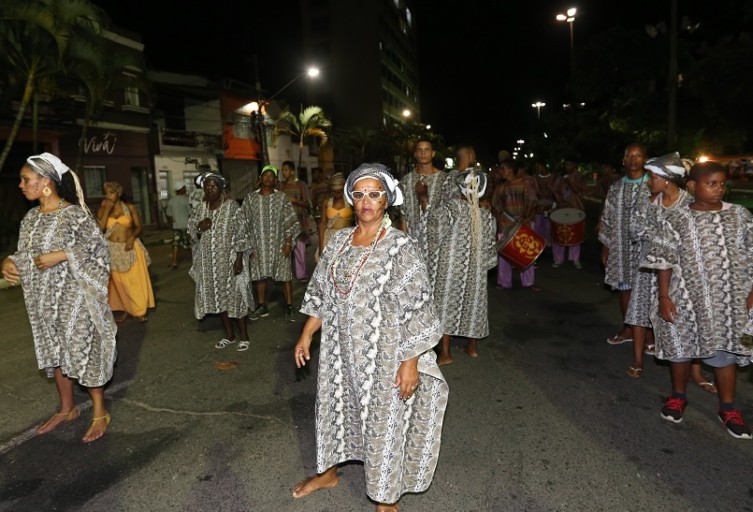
(406, 113)
(311, 72)
(258, 106)
(538, 106)
(569, 17)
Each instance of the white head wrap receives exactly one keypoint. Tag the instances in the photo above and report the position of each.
(51, 167)
(465, 181)
(48, 165)
(377, 172)
(670, 166)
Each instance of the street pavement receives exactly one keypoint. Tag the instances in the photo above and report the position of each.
(544, 420)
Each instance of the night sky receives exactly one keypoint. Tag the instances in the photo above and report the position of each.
(482, 62)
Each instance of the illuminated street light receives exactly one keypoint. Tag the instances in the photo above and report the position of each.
(521, 141)
(311, 72)
(406, 113)
(257, 107)
(538, 106)
(570, 19)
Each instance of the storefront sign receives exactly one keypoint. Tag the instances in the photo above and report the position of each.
(104, 143)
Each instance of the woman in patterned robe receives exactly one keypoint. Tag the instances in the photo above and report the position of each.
(380, 396)
(221, 247)
(461, 239)
(63, 264)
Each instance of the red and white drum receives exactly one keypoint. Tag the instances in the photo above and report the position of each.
(521, 245)
(568, 226)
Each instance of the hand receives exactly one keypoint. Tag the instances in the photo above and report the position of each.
(421, 189)
(204, 224)
(10, 271)
(667, 310)
(301, 352)
(238, 264)
(129, 244)
(45, 261)
(287, 249)
(749, 301)
(407, 378)
(604, 255)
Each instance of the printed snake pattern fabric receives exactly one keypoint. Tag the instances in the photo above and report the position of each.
(458, 268)
(71, 322)
(218, 289)
(711, 257)
(386, 318)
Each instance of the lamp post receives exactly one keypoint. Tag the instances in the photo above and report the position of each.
(538, 106)
(311, 72)
(569, 17)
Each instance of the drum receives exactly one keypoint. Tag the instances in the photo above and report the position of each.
(521, 245)
(568, 226)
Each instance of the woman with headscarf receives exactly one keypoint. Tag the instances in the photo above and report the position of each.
(460, 242)
(380, 396)
(336, 212)
(666, 177)
(221, 247)
(130, 288)
(63, 264)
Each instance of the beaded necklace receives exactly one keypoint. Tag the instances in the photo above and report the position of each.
(333, 272)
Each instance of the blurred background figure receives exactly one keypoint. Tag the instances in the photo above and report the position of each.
(130, 286)
(178, 210)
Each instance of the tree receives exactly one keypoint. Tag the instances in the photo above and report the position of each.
(35, 43)
(311, 122)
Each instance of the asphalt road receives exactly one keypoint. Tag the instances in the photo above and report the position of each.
(544, 420)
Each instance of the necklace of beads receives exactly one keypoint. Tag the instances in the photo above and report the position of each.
(333, 272)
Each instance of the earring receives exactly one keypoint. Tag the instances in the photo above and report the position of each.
(46, 191)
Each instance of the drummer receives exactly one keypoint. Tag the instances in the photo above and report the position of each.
(569, 195)
(514, 200)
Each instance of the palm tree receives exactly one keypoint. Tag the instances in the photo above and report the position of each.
(35, 43)
(310, 122)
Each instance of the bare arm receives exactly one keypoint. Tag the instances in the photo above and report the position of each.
(302, 350)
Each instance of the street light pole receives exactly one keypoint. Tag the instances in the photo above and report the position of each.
(672, 104)
(569, 17)
(538, 106)
(261, 131)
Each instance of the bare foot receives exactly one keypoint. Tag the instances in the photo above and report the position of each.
(443, 360)
(395, 507)
(314, 483)
(470, 349)
(56, 420)
(97, 428)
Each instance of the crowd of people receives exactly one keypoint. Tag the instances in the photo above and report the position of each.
(388, 299)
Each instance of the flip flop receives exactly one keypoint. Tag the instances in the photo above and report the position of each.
(634, 372)
(618, 340)
(650, 350)
(708, 387)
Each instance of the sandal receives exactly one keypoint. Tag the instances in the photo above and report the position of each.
(243, 346)
(224, 342)
(617, 339)
(69, 416)
(106, 418)
(650, 349)
(708, 387)
(634, 372)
